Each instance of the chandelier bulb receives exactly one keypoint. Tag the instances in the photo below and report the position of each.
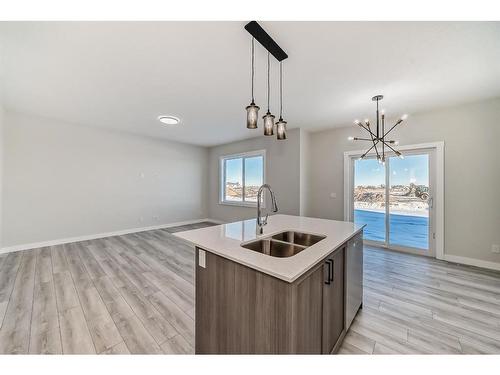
(404, 117)
(350, 138)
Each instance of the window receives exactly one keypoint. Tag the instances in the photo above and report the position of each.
(241, 177)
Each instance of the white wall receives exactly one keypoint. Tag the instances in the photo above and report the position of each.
(1, 168)
(63, 181)
(472, 172)
(282, 173)
(305, 173)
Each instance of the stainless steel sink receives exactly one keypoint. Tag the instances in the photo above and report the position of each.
(274, 248)
(284, 244)
(298, 238)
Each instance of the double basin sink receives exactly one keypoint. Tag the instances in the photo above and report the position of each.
(284, 244)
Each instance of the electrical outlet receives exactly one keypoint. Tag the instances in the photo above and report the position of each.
(333, 195)
(495, 249)
(201, 258)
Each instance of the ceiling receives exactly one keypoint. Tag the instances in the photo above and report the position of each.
(122, 75)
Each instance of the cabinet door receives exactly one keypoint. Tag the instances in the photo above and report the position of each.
(333, 300)
(309, 313)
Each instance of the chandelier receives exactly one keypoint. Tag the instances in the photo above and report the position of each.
(275, 50)
(378, 136)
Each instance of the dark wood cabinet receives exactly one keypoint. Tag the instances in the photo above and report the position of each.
(308, 306)
(240, 310)
(333, 301)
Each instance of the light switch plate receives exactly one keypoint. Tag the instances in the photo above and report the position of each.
(201, 258)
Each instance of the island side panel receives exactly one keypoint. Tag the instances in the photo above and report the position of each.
(240, 310)
(214, 289)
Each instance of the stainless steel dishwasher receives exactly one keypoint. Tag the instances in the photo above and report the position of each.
(354, 277)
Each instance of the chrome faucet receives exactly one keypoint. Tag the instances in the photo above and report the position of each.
(261, 222)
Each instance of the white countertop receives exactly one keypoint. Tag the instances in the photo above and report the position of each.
(225, 240)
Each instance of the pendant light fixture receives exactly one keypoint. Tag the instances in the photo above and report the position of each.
(281, 124)
(252, 109)
(274, 49)
(378, 139)
(268, 118)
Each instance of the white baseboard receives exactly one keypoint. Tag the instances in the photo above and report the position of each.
(450, 258)
(472, 262)
(61, 241)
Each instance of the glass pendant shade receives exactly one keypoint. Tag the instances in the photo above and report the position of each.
(252, 116)
(268, 124)
(281, 129)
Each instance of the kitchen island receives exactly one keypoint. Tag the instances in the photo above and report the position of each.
(293, 289)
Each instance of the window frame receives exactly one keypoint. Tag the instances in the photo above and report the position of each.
(222, 176)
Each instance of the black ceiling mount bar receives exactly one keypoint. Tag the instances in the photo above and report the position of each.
(267, 42)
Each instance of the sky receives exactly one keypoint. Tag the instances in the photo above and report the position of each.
(413, 168)
(253, 171)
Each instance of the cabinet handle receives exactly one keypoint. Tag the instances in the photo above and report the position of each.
(329, 262)
(329, 271)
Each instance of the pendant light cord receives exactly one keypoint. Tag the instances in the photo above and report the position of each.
(253, 67)
(268, 89)
(281, 90)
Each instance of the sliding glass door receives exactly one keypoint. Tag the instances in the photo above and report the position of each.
(369, 198)
(409, 201)
(395, 201)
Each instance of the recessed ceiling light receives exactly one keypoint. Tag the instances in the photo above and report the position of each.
(169, 120)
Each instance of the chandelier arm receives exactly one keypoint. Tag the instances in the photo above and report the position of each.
(396, 124)
(362, 139)
(375, 145)
(395, 151)
(370, 149)
(367, 129)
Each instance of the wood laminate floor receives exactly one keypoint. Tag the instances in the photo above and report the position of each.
(135, 294)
